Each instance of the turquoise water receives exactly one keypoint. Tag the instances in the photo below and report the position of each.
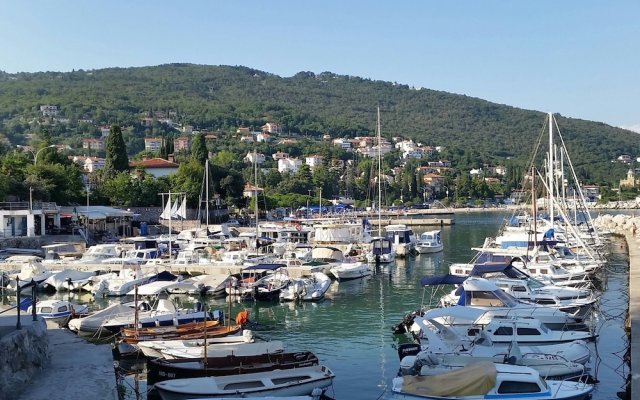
(350, 331)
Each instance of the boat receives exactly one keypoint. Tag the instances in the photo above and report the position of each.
(188, 330)
(451, 349)
(382, 251)
(160, 369)
(351, 270)
(68, 279)
(307, 288)
(113, 318)
(574, 301)
(429, 242)
(285, 382)
(403, 239)
(57, 311)
(484, 380)
(483, 294)
(216, 348)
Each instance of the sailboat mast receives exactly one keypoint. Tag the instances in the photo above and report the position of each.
(255, 172)
(551, 170)
(379, 175)
(206, 176)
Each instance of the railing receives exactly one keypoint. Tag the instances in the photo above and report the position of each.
(14, 205)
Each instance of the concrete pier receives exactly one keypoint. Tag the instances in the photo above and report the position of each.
(72, 368)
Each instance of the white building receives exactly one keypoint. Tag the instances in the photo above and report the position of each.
(257, 158)
(313, 161)
(49, 111)
(342, 143)
(290, 165)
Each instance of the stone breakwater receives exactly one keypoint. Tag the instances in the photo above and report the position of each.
(620, 224)
(23, 354)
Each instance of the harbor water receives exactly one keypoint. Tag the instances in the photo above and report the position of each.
(351, 330)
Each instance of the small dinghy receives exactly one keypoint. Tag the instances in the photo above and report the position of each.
(279, 382)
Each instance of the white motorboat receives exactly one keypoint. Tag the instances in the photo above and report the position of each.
(382, 251)
(58, 311)
(484, 380)
(445, 350)
(429, 242)
(308, 288)
(402, 238)
(459, 336)
(351, 270)
(485, 295)
(69, 279)
(574, 301)
(113, 318)
(219, 348)
(286, 382)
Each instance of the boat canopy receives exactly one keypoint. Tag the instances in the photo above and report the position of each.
(264, 267)
(473, 380)
(442, 280)
(507, 269)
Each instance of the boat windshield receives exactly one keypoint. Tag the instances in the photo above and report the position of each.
(534, 283)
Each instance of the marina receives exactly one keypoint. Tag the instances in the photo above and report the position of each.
(350, 329)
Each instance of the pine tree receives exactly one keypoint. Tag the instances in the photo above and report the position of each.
(116, 159)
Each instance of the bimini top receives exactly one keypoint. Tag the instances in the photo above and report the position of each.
(507, 269)
(264, 267)
(442, 280)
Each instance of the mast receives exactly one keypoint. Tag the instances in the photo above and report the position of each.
(255, 167)
(206, 179)
(551, 170)
(379, 175)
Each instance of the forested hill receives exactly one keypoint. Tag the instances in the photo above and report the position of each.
(224, 97)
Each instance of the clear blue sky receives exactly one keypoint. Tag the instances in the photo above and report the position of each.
(578, 58)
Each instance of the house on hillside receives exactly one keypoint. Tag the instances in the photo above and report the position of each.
(157, 167)
(289, 165)
(313, 161)
(93, 144)
(152, 144)
(254, 158)
(182, 144)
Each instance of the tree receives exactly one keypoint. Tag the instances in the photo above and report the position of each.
(116, 159)
(199, 150)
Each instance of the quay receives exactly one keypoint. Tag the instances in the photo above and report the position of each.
(43, 361)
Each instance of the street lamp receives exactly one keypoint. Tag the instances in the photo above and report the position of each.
(35, 155)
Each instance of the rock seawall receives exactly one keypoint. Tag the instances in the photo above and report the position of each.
(619, 223)
(23, 355)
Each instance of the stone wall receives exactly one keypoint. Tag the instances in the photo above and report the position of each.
(620, 223)
(23, 354)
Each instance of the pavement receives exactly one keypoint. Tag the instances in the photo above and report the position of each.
(634, 311)
(77, 369)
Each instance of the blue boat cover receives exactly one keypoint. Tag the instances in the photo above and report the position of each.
(264, 267)
(507, 269)
(442, 280)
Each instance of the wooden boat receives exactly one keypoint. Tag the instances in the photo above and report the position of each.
(133, 335)
(279, 382)
(160, 369)
(485, 380)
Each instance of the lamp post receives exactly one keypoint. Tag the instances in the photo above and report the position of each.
(35, 155)
(308, 198)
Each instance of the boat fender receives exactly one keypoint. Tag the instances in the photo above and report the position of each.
(242, 317)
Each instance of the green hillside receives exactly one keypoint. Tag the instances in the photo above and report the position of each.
(224, 97)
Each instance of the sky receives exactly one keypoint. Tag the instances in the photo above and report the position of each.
(579, 58)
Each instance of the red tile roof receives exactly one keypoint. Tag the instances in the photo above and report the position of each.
(153, 163)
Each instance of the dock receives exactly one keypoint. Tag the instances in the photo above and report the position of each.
(72, 368)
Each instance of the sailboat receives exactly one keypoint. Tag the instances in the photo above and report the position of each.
(382, 250)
